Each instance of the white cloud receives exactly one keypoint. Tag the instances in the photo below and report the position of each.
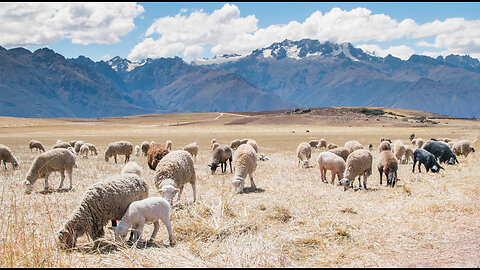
(23, 24)
(403, 52)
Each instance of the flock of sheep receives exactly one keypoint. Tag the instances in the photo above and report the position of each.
(124, 197)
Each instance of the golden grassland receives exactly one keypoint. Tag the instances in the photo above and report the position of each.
(293, 220)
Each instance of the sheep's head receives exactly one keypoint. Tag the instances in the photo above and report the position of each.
(213, 167)
(66, 239)
(121, 232)
(305, 164)
(436, 168)
(452, 160)
(346, 183)
(168, 192)
(238, 184)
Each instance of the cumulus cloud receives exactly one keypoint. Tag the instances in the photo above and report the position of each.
(23, 24)
(403, 52)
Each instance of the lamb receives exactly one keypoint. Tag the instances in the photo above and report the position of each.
(330, 161)
(384, 146)
(104, 201)
(408, 154)
(353, 145)
(137, 150)
(6, 155)
(253, 143)
(463, 147)
(168, 145)
(119, 148)
(427, 159)
(173, 172)
(234, 144)
(84, 151)
(55, 160)
(220, 156)
(61, 145)
(245, 160)
(77, 146)
(399, 150)
(419, 142)
(92, 148)
(314, 143)
(149, 210)
(192, 149)
(145, 146)
(388, 164)
(304, 153)
(331, 146)
(155, 154)
(341, 152)
(359, 163)
(441, 151)
(36, 144)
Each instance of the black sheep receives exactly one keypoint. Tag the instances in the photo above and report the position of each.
(441, 151)
(427, 159)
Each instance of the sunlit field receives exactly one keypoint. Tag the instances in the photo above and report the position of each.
(293, 219)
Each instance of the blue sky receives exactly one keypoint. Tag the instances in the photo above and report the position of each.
(196, 30)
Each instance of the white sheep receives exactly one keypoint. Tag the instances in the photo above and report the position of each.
(84, 151)
(334, 163)
(214, 146)
(388, 164)
(77, 146)
(192, 149)
(353, 145)
(331, 146)
(212, 142)
(234, 144)
(384, 146)
(408, 154)
(341, 152)
(359, 163)
(399, 150)
(92, 148)
(55, 160)
(304, 153)
(322, 143)
(253, 143)
(139, 213)
(168, 145)
(172, 173)
(37, 145)
(245, 162)
(102, 202)
(137, 150)
(419, 142)
(6, 155)
(62, 145)
(119, 148)
(414, 142)
(463, 147)
(132, 167)
(71, 149)
(145, 146)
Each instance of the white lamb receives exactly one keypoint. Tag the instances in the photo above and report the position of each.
(353, 145)
(137, 150)
(399, 150)
(245, 162)
(84, 151)
(139, 213)
(304, 153)
(359, 163)
(168, 145)
(192, 149)
(463, 147)
(330, 161)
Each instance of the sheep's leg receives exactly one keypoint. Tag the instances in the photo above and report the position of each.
(230, 160)
(70, 179)
(46, 183)
(381, 172)
(180, 193)
(252, 183)
(194, 188)
(62, 175)
(340, 176)
(156, 227)
(365, 181)
(168, 224)
(333, 178)
(413, 168)
(115, 155)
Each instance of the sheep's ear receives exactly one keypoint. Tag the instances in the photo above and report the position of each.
(209, 165)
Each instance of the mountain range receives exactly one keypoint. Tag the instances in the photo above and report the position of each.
(285, 75)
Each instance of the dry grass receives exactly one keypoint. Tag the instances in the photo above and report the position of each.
(295, 220)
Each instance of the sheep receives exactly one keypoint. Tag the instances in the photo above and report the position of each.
(155, 153)
(36, 144)
(119, 148)
(168, 145)
(330, 161)
(399, 150)
(384, 146)
(408, 154)
(145, 146)
(245, 160)
(463, 147)
(412, 137)
(358, 163)
(61, 145)
(92, 148)
(84, 151)
(331, 146)
(192, 149)
(137, 150)
(353, 145)
(71, 149)
(214, 146)
(314, 143)
(304, 153)
(419, 142)
(212, 143)
(234, 144)
(77, 146)
(6, 155)
(72, 143)
(451, 143)
(149, 210)
(383, 139)
(370, 147)
(427, 159)
(107, 200)
(244, 141)
(220, 156)
(132, 167)
(388, 164)
(322, 143)
(341, 152)
(55, 160)
(441, 151)
(414, 142)
(173, 172)
(253, 143)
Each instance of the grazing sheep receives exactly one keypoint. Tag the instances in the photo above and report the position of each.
(383, 139)
(36, 144)
(245, 160)
(358, 163)
(408, 154)
(399, 150)
(192, 149)
(84, 151)
(331, 146)
(353, 145)
(119, 148)
(412, 137)
(145, 146)
(388, 164)
(253, 143)
(155, 154)
(463, 147)
(77, 146)
(384, 146)
(6, 155)
(450, 144)
(244, 141)
(314, 143)
(62, 145)
(214, 146)
(330, 161)
(104, 201)
(92, 148)
(419, 142)
(304, 153)
(322, 143)
(71, 149)
(220, 156)
(139, 213)
(341, 152)
(55, 160)
(137, 150)
(168, 145)
(235, 144)
(132, 167)
(212, 143)
(173, 172)
(441, 151)
(414, 142)
(263, 157)
(427, 159)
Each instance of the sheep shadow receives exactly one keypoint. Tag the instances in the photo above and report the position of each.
(252, 190)
(108, 247)
(50, 191)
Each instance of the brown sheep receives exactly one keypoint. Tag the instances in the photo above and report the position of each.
(155, 153)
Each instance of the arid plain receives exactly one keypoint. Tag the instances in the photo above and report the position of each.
(293, 220)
